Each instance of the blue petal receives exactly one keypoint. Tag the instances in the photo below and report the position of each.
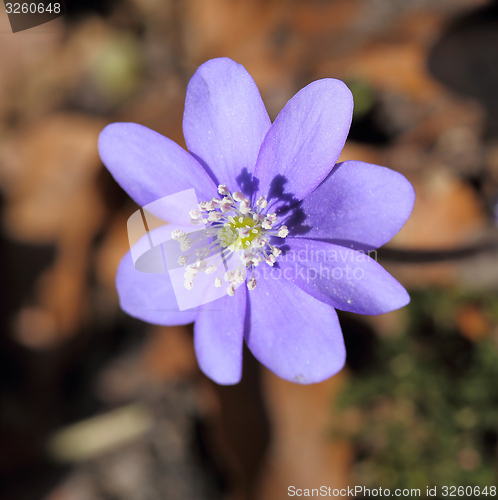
(306, 140)
(149, 296)
(149, 166)
(218, 337)
(360, 204)
(225, 121)
(294, 335)
(341, 277)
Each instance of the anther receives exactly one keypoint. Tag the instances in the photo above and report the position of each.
(270, 260)
(238, 277)
(258, 243)
(262, 202)
(283, 232)
(177, 234)
(232, 226)
(214, 217)
(185, 244)
(267, 224)
(223, 190)
(244, 207)
(190, 271)
(195, 214)
(206, 206)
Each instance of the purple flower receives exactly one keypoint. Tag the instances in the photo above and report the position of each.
(313, 221)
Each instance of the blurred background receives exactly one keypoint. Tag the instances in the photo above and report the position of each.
(98, 406)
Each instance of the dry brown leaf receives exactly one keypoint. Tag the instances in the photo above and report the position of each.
(303, 453)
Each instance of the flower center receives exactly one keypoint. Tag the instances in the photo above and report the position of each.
(234, 233)
(236, 240)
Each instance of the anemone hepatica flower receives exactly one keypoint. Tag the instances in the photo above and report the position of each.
(297, 226)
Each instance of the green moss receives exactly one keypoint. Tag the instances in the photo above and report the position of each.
(429, 408)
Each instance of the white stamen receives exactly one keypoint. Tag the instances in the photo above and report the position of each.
(270, 260)
(238, 277)
(266, 224)
(195, 214)
(247, 259)
(178, 235)
(244, 207)
(262, 204)
(223, 190)
(190, 271)
(257, 260)
(214, 217)
(233, 228)
(283, 232)
(258, 243)
(185, 244)
(206, 206)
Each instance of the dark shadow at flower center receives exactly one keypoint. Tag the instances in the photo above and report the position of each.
(248, 184)
(290, 211)
(285, 204)
(287, 207)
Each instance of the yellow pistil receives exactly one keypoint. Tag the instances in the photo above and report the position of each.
(230, 235)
